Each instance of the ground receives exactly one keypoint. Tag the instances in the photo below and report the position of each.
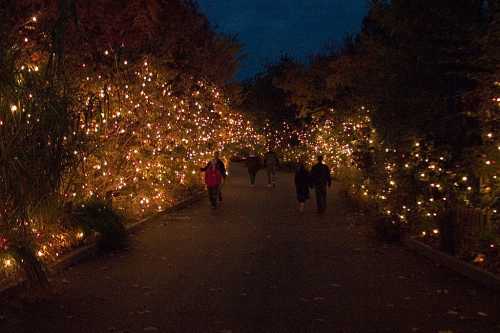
(257, 265)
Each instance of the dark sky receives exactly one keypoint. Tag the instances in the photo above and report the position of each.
(269, 28)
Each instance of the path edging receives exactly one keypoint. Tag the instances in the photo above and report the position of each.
(91, 249)
(470, 271)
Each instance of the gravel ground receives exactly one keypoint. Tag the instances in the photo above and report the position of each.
(256, 265)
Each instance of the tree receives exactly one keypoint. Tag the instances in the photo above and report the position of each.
(421, 55)
(39, 135)
(265, 99)
(99, 98)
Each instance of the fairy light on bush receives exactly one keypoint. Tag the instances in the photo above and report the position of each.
(146, 144)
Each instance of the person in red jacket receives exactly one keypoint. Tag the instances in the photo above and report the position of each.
(213, 180)
(222, 169)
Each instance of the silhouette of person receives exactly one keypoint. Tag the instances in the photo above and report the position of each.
(320, 179)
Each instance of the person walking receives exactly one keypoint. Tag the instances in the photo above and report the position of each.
(222, 169)
(302, 181)
(320, 178)
(271, 162)
(213, 180)
(253, 165)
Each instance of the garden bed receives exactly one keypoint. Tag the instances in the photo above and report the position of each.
(457, 265)
(485, 257)
(89, 247)
(482, 264)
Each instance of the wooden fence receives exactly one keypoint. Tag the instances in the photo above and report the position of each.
(463, 228)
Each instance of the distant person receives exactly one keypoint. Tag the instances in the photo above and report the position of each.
(271, 162)
(320, 179)
(222, 169)
(253, 165)
(302, 182)
(213, 180)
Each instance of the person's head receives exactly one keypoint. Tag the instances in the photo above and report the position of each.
(320, 158)
(216, 155)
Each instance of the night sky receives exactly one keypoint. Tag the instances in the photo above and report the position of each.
(269, 28)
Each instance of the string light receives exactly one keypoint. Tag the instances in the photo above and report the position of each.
(146, 143)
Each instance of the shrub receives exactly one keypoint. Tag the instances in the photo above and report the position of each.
(39, 134)
(99, 217)
(387, 229)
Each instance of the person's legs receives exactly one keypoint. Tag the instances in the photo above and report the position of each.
(269, 176)
(273, 176)
(252, 177)
(212, 195)
(323, 197)
(209, 192)
(320, 198)
(219, 191)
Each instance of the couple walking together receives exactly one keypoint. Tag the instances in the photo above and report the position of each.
(271, 163)
(318, 178)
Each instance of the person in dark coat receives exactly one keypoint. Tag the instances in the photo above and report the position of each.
(271, 162)
(302, 182)
(320, 179)
(222, 169)
(253, 165)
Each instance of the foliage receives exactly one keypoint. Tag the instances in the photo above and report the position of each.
(387, 229)
(99, 217)
(115, 101)
(266, 102)
(412, 101)
(39, 133)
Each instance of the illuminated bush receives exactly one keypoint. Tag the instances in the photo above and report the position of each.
(124, 116)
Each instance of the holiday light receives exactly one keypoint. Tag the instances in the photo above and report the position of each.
(144, 143)
(436, 180)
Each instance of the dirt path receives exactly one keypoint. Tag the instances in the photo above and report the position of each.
(255, 265)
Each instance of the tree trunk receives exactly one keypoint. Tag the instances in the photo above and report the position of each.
(33, 269)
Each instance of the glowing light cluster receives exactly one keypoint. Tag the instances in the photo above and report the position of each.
(145, 140)
(149, 144)
(410, 184)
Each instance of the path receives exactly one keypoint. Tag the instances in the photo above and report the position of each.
(255, 265)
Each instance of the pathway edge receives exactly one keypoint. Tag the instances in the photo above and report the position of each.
(465, 269)
(89, 250)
